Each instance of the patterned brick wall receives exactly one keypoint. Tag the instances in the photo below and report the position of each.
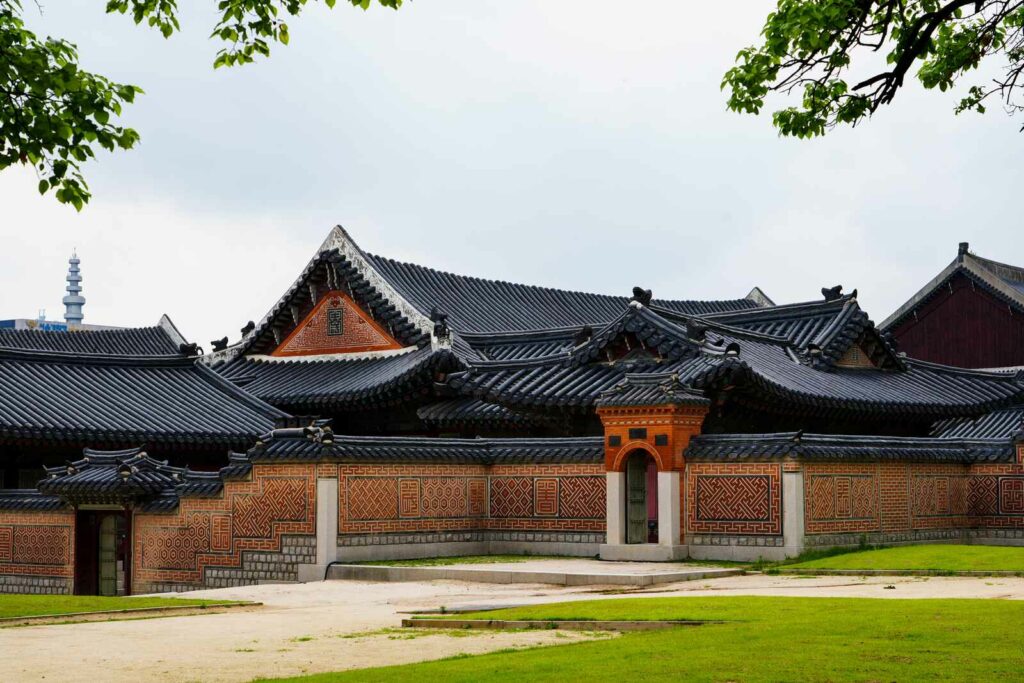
(886, 497)
(37, 552)
(996, 496)
(336, 325)
(402, 499)
(733, 498)
(217, 533)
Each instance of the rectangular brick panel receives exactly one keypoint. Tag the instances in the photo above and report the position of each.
(408, 497)
(511, 497)
(733, 498)
(445, 497)
(545, 499)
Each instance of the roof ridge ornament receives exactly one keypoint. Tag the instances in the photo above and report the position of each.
(962, 250)
(833, 293)
(642, 296)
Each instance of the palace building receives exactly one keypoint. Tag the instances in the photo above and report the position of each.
(970, 315)
(386, 410)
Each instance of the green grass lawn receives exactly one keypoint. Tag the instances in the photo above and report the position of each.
(466, 559)
(940, 558)
(44, 605)
(763, 639)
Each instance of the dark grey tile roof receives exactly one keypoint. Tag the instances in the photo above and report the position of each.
(125, 476)
(132, 341)
(651, 389)
(477, 305)
(742, 447)
(117, 400)
(340, 381)
(999, 424)
(471, 412)
(285, 445)
(764, 366)
(28, 500)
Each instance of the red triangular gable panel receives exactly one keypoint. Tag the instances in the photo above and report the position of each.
(336, 325)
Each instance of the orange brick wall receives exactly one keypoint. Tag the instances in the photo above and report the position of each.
(733, 498)
(208, 533)
(39, 545)
(427, 498)
(887, 497)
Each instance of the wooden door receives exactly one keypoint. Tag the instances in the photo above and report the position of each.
(636, 499)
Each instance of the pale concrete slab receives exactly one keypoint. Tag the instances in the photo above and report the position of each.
(563, 572)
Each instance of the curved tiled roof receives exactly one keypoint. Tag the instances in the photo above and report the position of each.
(741, 447)
(125, 475)
(468, 411)
(132, 341)
(782, 375)
(477, 305)
(339, 381)
(97, 399)
(1000, 424)
(287, 445)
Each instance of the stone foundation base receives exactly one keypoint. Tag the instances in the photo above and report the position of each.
(643, 552)
(371, 548)
(39, 585)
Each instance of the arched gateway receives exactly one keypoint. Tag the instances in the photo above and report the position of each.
(645, 437)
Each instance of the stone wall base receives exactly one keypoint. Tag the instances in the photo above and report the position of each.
(374, 547)
(39, 585)
(739, 548)
(257, 567)
(890, 538)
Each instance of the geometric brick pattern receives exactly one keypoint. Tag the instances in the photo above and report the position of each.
(6, 539)
(938, 495)
(278, 500)
(38, 544)
(477, 497)
(726, 498)
(545, 502)
(408, 498)
(1011, 496)
(983, 499)
(583, 497)
(373, 498)
(841, 497)
(511, 497)
(336, 325)
(444, 497)
(47, 545)
(178, 547)
(434, 498)
(734, 499)
(248, 516)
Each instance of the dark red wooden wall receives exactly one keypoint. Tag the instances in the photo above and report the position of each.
(967, 327)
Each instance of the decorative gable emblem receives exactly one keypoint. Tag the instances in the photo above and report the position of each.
(336, 325)
(335, 322)
(855, 358)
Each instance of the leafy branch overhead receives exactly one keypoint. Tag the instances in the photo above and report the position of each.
(53, 114)
(845, 59)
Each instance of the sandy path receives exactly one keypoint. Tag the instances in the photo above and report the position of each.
(302, 627)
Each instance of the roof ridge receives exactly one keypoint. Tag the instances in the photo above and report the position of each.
(544, 288)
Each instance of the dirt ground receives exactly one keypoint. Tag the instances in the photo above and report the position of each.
(335, 625)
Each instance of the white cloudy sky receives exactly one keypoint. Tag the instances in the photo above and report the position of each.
(579, 144)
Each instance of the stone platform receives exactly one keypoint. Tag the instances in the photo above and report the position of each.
(561, 572)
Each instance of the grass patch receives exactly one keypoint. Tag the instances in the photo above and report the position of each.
(761, 639)
(12, 606)
(467, 559)
(938, 558)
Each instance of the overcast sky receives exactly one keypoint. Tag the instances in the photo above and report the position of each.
(574, 144)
